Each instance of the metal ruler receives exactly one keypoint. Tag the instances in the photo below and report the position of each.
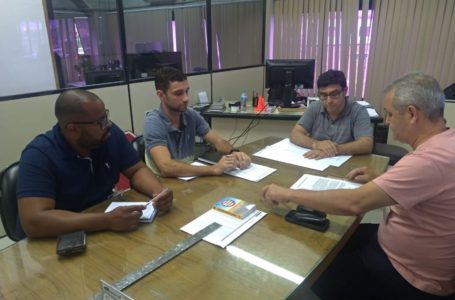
(154, 264)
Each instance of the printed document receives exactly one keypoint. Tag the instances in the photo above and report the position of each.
(318, 183)
(253, 172)
(287, 152)
(148, 214)
(231, 227)
(372, 112)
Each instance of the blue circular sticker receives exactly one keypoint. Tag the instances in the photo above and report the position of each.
(228, 203)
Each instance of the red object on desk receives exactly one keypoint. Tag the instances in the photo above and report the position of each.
(261, 104)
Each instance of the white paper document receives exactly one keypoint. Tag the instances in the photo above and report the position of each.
(202, 96)
(318, 183)
(287, 152)
(231, 227)
(372, 112)
(253, 172)
(363, 103)
(188, 178)
(148, 214)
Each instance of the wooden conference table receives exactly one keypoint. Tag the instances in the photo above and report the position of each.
(272, 260)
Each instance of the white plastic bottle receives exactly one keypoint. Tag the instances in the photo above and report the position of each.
(243, 100)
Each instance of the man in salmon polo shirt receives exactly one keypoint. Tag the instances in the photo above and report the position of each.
(411, 254)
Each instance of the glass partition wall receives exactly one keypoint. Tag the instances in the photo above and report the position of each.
(85, 42)
(93, 42)
(165, 33)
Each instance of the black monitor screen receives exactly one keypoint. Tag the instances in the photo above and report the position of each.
(146, 64)
(282, 75)
(103, 76)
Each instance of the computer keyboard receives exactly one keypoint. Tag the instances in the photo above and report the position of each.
(217, 107)
(200, 106)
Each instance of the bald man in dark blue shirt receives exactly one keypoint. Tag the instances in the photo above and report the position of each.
(75, 166)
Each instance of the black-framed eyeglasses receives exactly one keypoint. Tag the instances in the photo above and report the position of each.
(332, 95)
(101, 122)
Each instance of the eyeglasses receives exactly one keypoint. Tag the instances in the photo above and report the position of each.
(332, 95)
(101, 122)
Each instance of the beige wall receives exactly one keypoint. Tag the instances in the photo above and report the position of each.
(20, 121)
(230, 84)
(116, 100)
(143, 98)
(449, 113)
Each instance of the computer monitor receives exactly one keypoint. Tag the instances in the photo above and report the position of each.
(282, 75)
(146, 64)
(103, 76)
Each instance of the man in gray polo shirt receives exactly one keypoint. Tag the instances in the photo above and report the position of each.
(333, 125)
(170, 131)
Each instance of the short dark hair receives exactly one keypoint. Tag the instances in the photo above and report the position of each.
(332, 77)
(69, 104)
(166, 75)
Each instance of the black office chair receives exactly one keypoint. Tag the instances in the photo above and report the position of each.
(8, 201)
(139, 145)
(449, 92)
(395, 153)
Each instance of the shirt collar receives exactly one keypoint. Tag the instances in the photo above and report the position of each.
(63, 144)
(346, 110)
(183, 119)
(68, 151)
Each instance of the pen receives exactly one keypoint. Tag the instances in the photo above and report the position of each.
(118, 193)
(161, 193)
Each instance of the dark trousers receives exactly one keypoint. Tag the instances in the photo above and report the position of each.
(362, 271)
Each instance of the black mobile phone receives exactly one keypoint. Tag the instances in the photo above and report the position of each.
(301, 208)
(308, 219)
(71, 243)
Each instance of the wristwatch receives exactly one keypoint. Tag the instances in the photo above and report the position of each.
(234, 150)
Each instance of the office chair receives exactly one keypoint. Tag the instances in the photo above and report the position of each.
(395, 153)
(139, 145)
(8, 201)
(449, 92)
(123, 182)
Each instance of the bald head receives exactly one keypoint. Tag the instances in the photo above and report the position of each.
(69, 105)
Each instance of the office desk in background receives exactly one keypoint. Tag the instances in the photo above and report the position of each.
(272, 260)
(277, 113)
(279, 122)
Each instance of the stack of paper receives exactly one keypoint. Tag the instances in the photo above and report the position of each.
(231, 227)
(287, 152)
(253, 172)
(318, 183)
(148, 214)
